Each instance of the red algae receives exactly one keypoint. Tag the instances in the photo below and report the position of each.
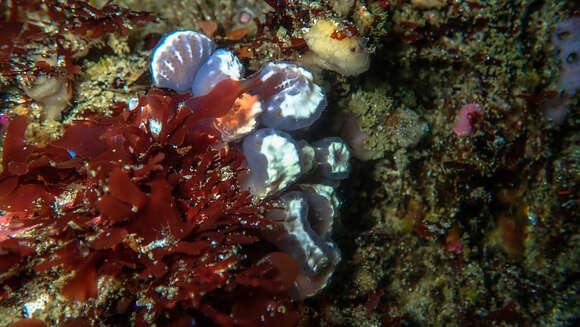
(219, 102)
(28, 323)
(144, 198)
(63, 32)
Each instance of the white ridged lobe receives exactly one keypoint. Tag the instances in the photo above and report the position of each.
(177, 59)
(221, 64)
(273, 159)
(293, 234)
(332, 158)
(298, 104)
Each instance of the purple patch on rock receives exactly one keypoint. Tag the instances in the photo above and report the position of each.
(567, 39)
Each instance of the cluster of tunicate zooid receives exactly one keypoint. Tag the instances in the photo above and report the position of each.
(264, 122)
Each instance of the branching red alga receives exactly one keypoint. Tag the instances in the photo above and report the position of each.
(151, 199)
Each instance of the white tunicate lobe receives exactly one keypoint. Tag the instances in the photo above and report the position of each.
(177, 59)
(221, 64)
(332, 158)
(298, 104)
(293, 233)
(304, 216)
(273, 159)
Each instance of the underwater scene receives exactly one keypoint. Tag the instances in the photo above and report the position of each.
(240, 163)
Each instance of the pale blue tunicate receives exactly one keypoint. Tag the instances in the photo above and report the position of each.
(221, 64)
(318, 257)
(177, 59)
(323, 206)
(332, 157)
(298, 103)
(273, 159)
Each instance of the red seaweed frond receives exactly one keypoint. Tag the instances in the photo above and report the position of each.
(80, 18)
(140, 198)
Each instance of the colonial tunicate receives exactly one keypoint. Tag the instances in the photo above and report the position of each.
(307, 156)
(301, 177)
(332, 158)
(297, 104)
(293, 233)
(323, 204)
(274, 161)
(177, 59)
(221, 64)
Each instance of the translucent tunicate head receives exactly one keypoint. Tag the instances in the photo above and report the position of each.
(177, 59)
(294, 234)
(297, 102)
(332, 158)
(221, 64)
(324, 204)
(273, 159)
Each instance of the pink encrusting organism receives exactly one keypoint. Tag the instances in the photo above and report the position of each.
(467, 115)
